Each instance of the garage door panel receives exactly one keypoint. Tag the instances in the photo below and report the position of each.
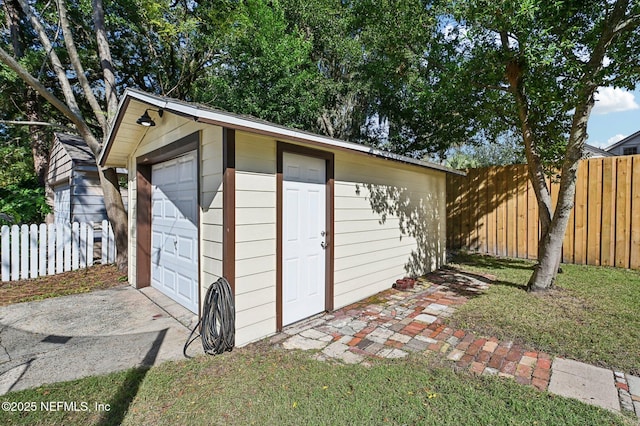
(168, 279)
(174, 230)
(169, 211)
(184, 286)
(185, 248)
(168, 246)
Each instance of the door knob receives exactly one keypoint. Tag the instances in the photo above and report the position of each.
(323, 245)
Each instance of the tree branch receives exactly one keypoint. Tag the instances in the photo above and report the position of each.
(630, 23)
(70, 109)
(74, 57)
(106, 61)
(37, 123)
(53, 57)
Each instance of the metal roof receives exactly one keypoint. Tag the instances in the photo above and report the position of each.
(137, 101)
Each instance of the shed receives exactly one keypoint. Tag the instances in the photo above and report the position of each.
(298, 223)
(74, 185)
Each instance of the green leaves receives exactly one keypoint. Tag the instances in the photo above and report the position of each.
(23, 203)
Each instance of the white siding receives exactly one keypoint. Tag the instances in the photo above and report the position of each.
(389, 222)
(255, 237)
(211, 170)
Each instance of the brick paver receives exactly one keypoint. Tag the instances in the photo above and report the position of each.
(396, 322)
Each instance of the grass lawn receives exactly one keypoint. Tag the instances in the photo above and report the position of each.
(261, 385)
(592, 314)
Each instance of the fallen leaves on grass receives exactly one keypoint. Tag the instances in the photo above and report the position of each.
(81, 281)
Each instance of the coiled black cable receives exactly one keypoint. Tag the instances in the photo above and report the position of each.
(218, 321)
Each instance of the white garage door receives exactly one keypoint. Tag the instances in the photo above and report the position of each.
(303, 239)
(174, 230)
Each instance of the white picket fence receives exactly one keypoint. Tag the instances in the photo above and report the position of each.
(31, 251)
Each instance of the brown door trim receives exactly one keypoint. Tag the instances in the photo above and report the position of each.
(144, 206)
(283, 147)
(229, 206)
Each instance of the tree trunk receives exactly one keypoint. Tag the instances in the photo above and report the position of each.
(550, 245)
(546, 271)
(39, 144)
(116, 213)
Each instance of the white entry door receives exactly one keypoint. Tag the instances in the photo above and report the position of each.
(303, 239)
(174, 230)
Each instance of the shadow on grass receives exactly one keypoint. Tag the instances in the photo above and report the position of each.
(468, 284)
(120, 402)
(490, 262)
(512, 285)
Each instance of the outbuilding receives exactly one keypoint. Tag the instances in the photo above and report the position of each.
(73, 184)
(298, 223)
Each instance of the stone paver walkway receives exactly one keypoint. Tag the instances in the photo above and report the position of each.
(393, 323)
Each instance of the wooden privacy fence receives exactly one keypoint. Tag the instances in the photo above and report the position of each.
(494, 210)
(30, 251)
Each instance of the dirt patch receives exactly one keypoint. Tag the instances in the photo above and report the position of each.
(80, 281)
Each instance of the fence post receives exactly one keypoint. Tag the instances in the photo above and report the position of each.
(42, 246)
(108, 244)
(66, 241)
(24, 252)
(15, 253)
(112, 244)
(5, 255)
(33, 250)
(51, 249)
(90, 243)
(84, 252)
(104, 242)
(59, 248)
(75, 246)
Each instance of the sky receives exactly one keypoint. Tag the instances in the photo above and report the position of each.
(615, 116)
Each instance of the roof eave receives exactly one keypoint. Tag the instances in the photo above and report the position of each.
(229, 120)
(622, 141)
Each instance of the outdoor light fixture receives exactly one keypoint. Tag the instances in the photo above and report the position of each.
(147, 121)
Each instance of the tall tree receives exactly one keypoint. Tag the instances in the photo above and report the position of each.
(265, 69)
(24, 106)
(547, 60)
(69, 106)
(161, 47)
(293, 62)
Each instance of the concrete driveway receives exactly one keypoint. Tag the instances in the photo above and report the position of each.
(70, 337)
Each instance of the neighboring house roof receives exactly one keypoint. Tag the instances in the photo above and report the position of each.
(77, 148)
(134, 103)
(596, 152)
(623, 141)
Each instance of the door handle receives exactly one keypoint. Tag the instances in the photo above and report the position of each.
(324, 245)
